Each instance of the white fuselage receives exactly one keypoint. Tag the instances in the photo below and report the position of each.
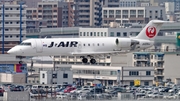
(67, 46)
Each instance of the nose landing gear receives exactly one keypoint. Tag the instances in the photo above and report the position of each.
(20, 57)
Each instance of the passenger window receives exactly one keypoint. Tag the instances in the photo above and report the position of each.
(88, 44)
(84, 44)
(97, 44)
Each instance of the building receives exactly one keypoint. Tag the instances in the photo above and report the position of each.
(107, 75)
(156, 60)
(176, 4)
(89, 12)
(123, 15)
(143, 3)
(61, 76)
(51, 15)
(128, 3)
(12, 25)
(18, 78)
(32, 3)
(111, 3)
(33, 79)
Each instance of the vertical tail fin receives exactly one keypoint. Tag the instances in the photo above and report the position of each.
(150, 31)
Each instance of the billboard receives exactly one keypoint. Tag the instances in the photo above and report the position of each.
(137, 82)
(13, 68)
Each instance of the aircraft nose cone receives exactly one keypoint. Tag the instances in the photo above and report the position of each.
(11, 51)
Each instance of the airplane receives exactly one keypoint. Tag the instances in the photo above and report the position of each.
(88, 48)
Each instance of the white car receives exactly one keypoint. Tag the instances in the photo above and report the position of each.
(61, 96)
(171, 90)
(84, 90)
(170, 96)
(75, 91)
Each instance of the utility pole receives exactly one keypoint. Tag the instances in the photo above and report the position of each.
(3, 28)
(21, 8)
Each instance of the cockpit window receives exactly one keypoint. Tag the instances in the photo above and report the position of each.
(26, 44)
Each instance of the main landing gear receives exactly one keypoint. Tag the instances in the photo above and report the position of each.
(85, 60)
(20, 57)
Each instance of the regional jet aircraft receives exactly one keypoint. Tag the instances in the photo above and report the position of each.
(88, 48)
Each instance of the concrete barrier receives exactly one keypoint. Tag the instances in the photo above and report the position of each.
(16, 96)
(125, 96)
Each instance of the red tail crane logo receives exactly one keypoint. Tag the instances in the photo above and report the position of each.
(150, 32)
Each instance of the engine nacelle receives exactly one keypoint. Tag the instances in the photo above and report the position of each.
(144, 44)
(133, 44)
(123, 43)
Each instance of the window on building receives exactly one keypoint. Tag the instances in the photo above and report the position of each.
(43, 75)
(29, 81)
(112, 34)
(91, 34)
(104, 33)
(113, 73)
(133, 73)
(94, 33)
(118, 34)
(84, 34)
(101, 33)
(87, 33)
(148, 72)
(146, 83)
(80, 33)
(131, 83)
(65, 82)
(37, 81)
(54, 75)
(124, 33)
(98, 34)
(65, 75)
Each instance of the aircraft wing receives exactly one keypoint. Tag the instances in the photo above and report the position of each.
(98, 53)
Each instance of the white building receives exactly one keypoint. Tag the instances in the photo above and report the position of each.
(123, 15)
(146, 59)
(61, 76)
(19, 78)
(107, 75)
(12, 24)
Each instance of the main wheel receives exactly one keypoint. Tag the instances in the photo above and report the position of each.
(84, 60)
(20, 62)
(93, 61)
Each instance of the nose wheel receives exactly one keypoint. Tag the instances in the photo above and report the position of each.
(20, 62)
(20, 57)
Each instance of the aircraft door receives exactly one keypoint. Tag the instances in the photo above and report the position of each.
(79, 46)
(39, 46)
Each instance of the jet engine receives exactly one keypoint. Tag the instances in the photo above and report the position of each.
(123, 43)
(132, 44)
